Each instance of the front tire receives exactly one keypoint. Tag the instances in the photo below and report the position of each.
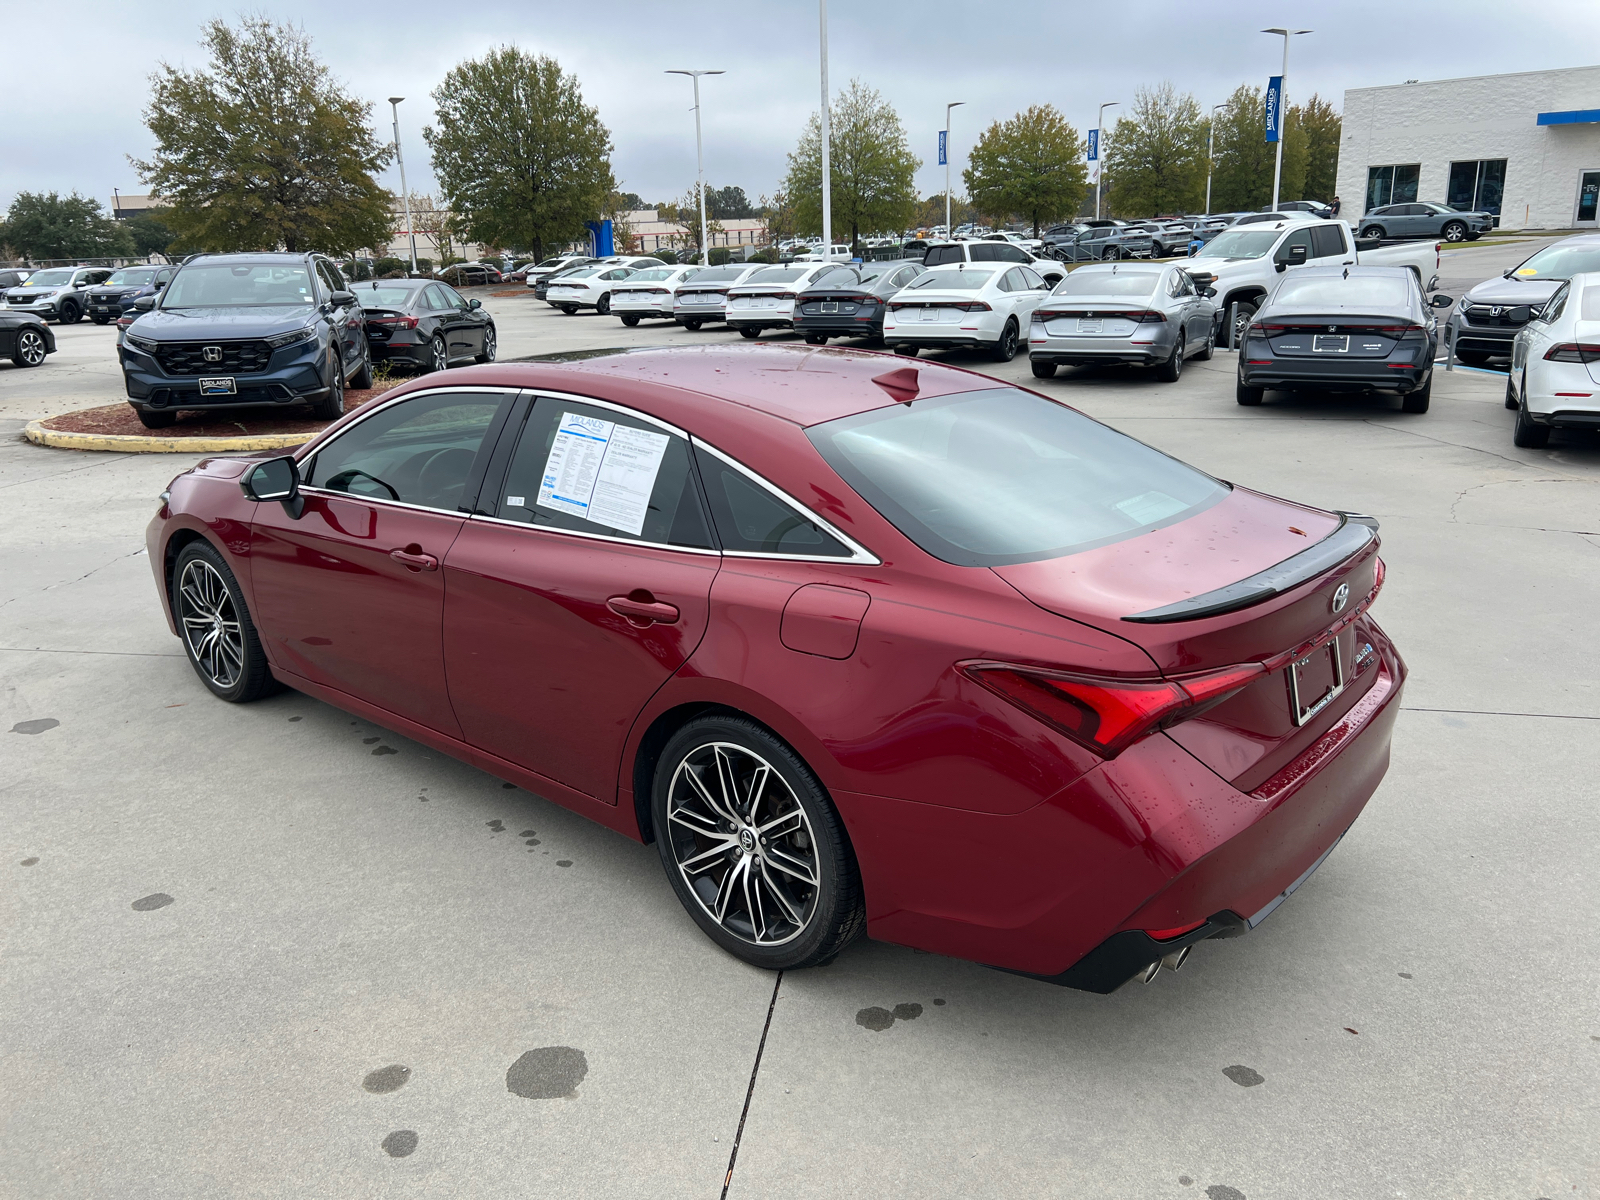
(1006, 348)
(1454, 231)
(1511, 396)
(1206, 351)
(101, 320)
(1372, 231)
(491, 345)
(30, 349)
(1241, 322)
(753, 847)
(152, 418)
(570, 309)
(331, 406)
(215, 626)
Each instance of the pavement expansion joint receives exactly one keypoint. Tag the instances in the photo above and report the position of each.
(755, 1069)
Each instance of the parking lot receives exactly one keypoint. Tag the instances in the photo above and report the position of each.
(221, 924)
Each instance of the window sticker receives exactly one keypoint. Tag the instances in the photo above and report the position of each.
(602, 472)
(517, 501)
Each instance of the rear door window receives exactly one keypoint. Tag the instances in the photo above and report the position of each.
(419, 451)
(587, 469)
(1327, 241)
(939, 255)
(752, 519)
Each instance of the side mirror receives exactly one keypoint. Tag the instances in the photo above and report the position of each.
(1293, 256)
(342, 299)
(1441, 301)
(144, 303)
(474, 303)
(1208, 292)
(275, 479)
(160, 283)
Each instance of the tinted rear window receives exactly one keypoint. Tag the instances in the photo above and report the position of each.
(777, 275)
(1108, 283)
(939, 255)
(1358, 291)
(999, 476)
(719, 274)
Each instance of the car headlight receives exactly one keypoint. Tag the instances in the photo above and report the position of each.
(307, 334)
(1464, 303)
(139, 343)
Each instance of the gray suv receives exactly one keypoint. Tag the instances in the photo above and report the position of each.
(59, 293)
(1426, 221)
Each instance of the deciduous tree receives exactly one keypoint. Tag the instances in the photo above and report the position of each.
(870, 164)
(1245, 160)
(1030, 165)
(262, 149)
(1322, 125)
(44, 225)
(1155, 157)
(520, 158)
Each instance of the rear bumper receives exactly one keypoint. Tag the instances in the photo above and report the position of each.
(1153, 840)
(684, 315)
(408, 352)
(836, 326)
(1337, 376)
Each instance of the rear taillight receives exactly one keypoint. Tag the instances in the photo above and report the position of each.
(970, 306)
(1148, 316)
(1573, 352)
(1109, 715)
(396, 322)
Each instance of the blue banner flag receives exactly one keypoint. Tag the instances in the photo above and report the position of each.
(944, 135)
(1094, 145)
(1274, 107)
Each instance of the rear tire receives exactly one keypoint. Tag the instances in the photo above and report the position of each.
(906, 351)
(1169, 371)
(1043, 370)
(30, 349)
(788, 846)
(693, 326)
(1005, 349)
(630, 321)
(70, 314)
(362, 379)
(1250, 397)
(215, 628)
(1417, 401)
(749, 332)
(816, 339)
(1527, 435)
(570, 309)
(152, 418)
(603, 305)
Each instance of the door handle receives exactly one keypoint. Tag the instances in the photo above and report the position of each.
(643, 612)
(413, 557)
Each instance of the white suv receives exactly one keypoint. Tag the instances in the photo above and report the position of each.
(941, 253)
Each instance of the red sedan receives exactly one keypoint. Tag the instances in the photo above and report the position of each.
(856, 644)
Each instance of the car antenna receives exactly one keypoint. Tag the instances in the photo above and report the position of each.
(901, 385)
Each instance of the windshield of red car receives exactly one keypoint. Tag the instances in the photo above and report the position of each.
(998, 476)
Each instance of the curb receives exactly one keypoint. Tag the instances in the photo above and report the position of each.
(128, 443)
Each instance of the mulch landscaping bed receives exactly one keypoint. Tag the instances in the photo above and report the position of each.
(120, 418)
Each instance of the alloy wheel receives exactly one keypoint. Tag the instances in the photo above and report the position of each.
(30, 348)
(1455, 232)
(441, 358)
(742, 843)
(211, 627)
(490, 344)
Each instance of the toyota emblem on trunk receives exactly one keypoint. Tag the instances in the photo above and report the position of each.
(1340, 598)
(212, 353)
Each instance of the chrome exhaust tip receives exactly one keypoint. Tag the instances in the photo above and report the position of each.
(1175, 960)
(1150, 972)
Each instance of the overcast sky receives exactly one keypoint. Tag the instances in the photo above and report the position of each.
(70, 115)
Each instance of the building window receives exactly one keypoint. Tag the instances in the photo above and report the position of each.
(1392, 185)
(1477, 186)
(1589, 196)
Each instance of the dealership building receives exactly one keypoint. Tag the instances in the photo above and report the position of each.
(1525, 147)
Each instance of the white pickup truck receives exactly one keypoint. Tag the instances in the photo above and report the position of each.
(1244, 264)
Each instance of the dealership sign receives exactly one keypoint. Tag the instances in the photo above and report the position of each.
(1274, 107)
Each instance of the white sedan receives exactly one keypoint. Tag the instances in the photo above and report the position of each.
(766, 299)
(965, 306)
(1555, 365)
(588, 288)
(649, 293)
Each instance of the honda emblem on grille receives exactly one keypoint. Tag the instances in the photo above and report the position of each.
(212, 353)
(1340, 598)
(1496, 311)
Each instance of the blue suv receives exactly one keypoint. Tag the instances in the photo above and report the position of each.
(232, 330)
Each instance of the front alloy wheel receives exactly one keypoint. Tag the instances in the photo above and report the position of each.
(1454, 231)
(752, 846)
(490, 345)
(30, 349)
(218, 635)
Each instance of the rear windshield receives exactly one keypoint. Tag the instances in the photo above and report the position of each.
(239, 285)
(778, 275)
(386, 295)
(720, 274)
(1553, 262)
(1240, 243)
(1385, 292)
(951, 281)
(982, 479)
(653, 274)
(1108, 283)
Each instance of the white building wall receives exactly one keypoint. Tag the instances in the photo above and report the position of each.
(1491, 116)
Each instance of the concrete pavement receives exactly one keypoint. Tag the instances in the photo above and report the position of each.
(1418, 1021)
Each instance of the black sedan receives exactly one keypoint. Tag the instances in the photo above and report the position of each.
(1337, 329)
(851, 301)
(424, 324)
(25, 339)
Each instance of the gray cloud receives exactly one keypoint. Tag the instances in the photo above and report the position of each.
(81, 115)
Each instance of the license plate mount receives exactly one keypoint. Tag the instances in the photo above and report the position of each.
(1315, 681)
(1094, 326)
(929, 314)
(218, 385)
(830, 306)
(1330, 343)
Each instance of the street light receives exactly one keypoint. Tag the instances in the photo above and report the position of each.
(1283, 93)
(1100, 150)
(394, 105)
(1211, 134)
(949, 151)
(700, 159)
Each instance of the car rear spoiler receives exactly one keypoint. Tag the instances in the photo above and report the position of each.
(1355, 532)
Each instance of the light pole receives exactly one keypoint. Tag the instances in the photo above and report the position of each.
(411, 232)
(1211, 136)
(1283, 93)
(827, 176)
(1100, 150)
(699, 160)
(949, 153)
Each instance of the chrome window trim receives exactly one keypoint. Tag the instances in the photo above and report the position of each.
(357, 498)
(619, 408)
(598, 537)
(858, 553)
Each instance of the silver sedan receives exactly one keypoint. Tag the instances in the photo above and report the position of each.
(1143, 314)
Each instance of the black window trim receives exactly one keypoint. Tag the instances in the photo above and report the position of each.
(495, 426)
